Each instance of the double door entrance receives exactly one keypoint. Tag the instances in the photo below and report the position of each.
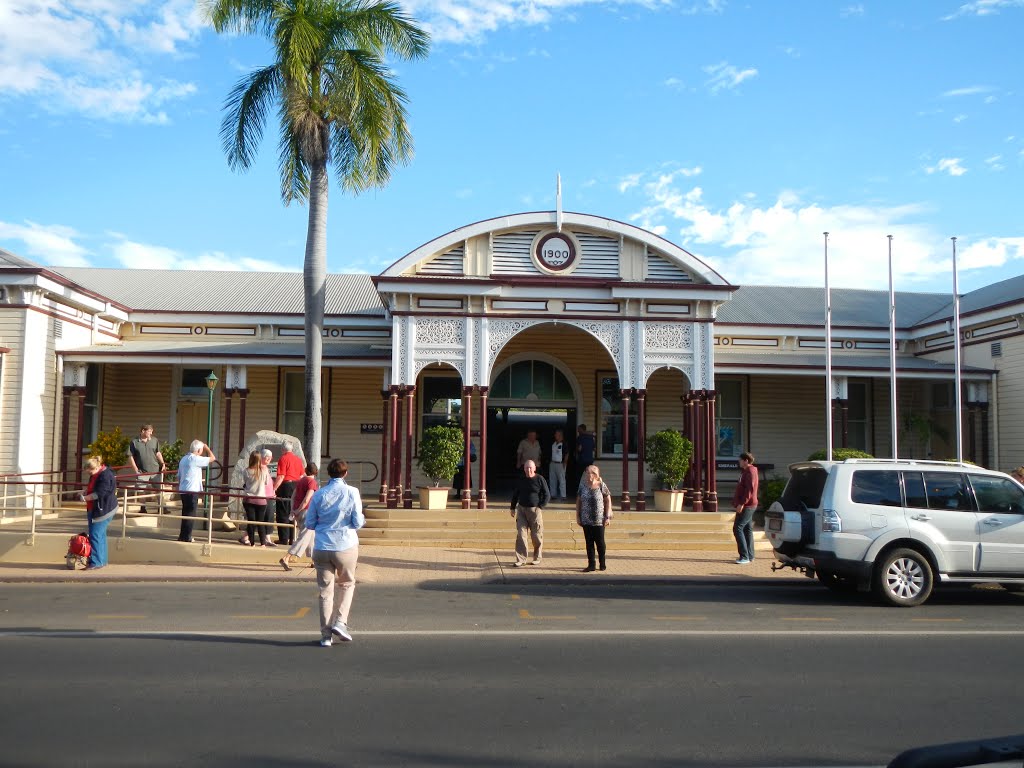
(507, 425)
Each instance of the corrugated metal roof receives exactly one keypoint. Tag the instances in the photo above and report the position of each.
(184, 290)
(798, 305)
(8, 259)
(1004, 292)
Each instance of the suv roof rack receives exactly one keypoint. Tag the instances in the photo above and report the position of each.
(931, 462)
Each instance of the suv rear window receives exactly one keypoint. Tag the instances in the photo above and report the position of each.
(804, 488)
(876, 486)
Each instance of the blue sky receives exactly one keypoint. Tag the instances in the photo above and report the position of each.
(738, 130)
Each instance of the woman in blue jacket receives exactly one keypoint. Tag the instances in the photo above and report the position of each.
(100, 499)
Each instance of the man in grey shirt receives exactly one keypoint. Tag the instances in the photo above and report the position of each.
(146, 459)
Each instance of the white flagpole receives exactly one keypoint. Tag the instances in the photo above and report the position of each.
(892, 355)
(558, 202)
(956, 360)
(828, 359)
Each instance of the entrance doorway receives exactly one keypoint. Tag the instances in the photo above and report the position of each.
(506, 426)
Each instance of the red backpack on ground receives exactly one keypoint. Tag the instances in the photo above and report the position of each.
(79, 550)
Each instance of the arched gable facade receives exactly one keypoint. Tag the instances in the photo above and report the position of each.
(465, 298)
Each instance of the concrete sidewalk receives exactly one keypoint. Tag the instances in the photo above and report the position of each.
(412, 566)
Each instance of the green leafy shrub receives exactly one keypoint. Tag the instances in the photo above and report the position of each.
(668, 456)
(172, 454)
(112, 447)
(840, 454)
(769, 491)
(439, 452)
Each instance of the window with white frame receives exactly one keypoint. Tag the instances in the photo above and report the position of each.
(91, 405)
(293, 406)
(730, 411)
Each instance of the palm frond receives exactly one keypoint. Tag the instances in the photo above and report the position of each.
(245, 115)
(243, 17)
(379, 27)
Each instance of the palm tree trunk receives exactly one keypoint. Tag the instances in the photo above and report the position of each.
(314, 281)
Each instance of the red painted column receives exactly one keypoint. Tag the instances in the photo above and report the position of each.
(698, 451)
(393, 440)
(625, 395)
(712, 454)
(481, 497)
(410, 416)
(641, 408)
(385, 432)
(688, 434)
(467, 465)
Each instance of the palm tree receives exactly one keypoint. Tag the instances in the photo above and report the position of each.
(338, 106)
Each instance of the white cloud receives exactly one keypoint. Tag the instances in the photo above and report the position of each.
(630, 181)
(990, 252)
(950, 165)
(983, 8)
(852, 10)
(467, 21)
(971, 90)
(959, 118)
(725, 75)
(52, 244)
(995, 162)
(674, 83)
(135, 255)
(782, 243)
(91, 56)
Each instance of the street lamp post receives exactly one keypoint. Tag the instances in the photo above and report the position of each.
(211, 385)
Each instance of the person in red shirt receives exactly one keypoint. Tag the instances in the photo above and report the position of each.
(289, 470)
(744, 501)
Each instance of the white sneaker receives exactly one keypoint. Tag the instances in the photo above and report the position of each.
(341, 630)
(326, 642)
(743, 561)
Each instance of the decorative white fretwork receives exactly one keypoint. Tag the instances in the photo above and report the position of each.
(439, 332)
(499, 332)
(669, 345)
(609, 333)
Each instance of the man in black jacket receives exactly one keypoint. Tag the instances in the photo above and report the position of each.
(529, 498)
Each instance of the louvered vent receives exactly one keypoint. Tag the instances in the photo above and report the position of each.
(997, 349)
(58, 329)
(448, 263)
(599, 257)
(658, 268)
(512, 253)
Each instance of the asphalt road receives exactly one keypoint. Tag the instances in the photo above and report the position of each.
(766, 675)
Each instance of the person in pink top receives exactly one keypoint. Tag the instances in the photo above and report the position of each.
(304, 489)
(744, 501)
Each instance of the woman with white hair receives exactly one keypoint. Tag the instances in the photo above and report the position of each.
(190, 483)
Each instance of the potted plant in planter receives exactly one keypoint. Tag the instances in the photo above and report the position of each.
(439, 453)
(668, 456)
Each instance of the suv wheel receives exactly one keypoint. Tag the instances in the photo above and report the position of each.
(903, 578)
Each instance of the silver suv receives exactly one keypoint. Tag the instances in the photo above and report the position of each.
(897, 526)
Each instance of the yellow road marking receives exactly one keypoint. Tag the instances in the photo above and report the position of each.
(679, 618)
(525, 614)
(117, 615)
(513, 597)
(297, 615)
